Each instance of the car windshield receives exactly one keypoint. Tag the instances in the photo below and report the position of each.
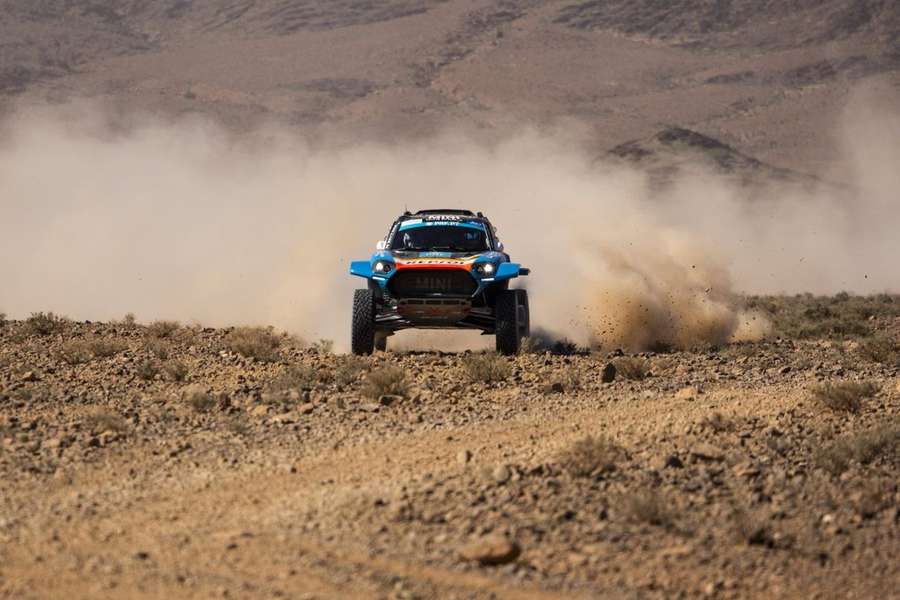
(448, 238)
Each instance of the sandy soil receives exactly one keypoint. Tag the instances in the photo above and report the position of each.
(138, 466)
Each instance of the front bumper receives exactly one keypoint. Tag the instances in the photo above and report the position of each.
(433, 313)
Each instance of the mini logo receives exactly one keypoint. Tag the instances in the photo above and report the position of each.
(436, 284)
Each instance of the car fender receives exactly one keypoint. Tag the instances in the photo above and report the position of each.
(361, 268)
(508, 270)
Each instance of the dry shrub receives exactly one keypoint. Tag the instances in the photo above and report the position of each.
(742, 350)
(386, 381)
(880, 349)
(237, 425)
(2, 319)
(104, 348)
(541, 342)
(863, 447)
(258, 343)
(649, 506)
(486, 367)
(200, 400)
(44, 323)
(632, 368)
(590, 455)
(147, 370)
(870, 498)
(105, 420)
(75, 352)
(805, 316)
(324, 346)
(844, 396)
(297, 377)
(664, 364)
(33, 394)
(718, 423)
(569, 380)
(159, 348)
(349, 369)
(755, 530)
(163, 329)
(175, 370)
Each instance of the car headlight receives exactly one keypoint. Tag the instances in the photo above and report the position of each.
(485, 269)
(382, 266)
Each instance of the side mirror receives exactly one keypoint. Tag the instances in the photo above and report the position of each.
(499, 246)
(381, 245)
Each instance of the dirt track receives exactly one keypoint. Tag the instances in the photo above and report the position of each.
(241, 481)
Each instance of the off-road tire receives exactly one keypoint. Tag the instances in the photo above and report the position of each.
(508, 327)
(524, 314)
(362, 339)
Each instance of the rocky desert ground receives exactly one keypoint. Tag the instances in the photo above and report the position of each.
(173, 461)
(150, 458)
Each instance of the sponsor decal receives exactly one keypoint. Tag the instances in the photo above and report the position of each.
(443, 222)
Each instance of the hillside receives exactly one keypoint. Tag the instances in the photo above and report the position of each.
(771, 82)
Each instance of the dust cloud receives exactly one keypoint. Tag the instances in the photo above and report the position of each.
(184, 220)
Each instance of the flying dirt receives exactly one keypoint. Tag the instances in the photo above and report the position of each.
(183, 220)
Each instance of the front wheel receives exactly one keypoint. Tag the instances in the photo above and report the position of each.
(362, 339)
(512, 320)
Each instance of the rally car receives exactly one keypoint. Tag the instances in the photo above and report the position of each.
(439, 269)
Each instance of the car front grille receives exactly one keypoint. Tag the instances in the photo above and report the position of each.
(413, 283)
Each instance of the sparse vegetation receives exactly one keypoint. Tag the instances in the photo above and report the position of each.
(863, 447)
(540, 342)
(200, 400)
(104, 348)
(632, 368)
(386, 381)
(568, 380)
(324, 346)
(880, 349)
(870, 498)
(590, 455)
(163, 329)
(175, 370)
(147, 370)
(844, 396)
(297, 377)
(486, 367)
(755, 530)
(77, 352)
(648, 506)
(102, 420)
(348, 370)
(33, 394)
(74, 353)
(718, 423)
(842, 316)
(237, 425)
(44, 323)
(258, 343)
(159, 348)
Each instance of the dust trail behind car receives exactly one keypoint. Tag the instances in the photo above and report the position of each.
(183, 220)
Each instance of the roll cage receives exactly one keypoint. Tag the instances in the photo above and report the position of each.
(446, 215)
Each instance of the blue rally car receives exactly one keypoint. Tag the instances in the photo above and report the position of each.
(439, 269)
